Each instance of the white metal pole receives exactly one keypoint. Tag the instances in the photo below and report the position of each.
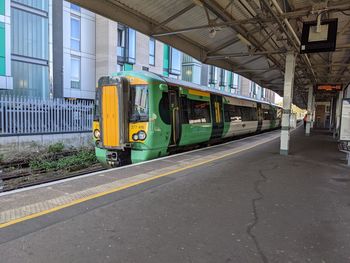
(309, 110)
(287, 102)
(313, 115)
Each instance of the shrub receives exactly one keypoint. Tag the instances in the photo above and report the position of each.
(77, 161)
(55, 148)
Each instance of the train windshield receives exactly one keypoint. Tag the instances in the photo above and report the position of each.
(139, 103)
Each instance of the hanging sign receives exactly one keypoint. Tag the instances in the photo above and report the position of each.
(322, 38)
(345, 120)
(328, 87)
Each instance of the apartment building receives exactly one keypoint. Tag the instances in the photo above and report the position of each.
(60, 50)
(74, 48)
(221, 79)
(25, 48)
(6, 81)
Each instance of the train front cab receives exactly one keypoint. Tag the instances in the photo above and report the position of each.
(110, 128)
(126, 126)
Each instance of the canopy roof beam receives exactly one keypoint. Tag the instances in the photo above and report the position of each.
(247, 54)
(175, 16)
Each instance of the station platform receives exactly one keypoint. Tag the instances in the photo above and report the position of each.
(236, 202)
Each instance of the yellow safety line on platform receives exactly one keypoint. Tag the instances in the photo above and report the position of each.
(81, 200)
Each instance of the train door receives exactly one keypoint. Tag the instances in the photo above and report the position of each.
(174, 116)
(217, 116)
(260, 117)
(110, 102)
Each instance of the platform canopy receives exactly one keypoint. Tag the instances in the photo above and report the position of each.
(249, 37)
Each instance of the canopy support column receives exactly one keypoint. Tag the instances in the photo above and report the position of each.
(309, 110)
(337, 115)
(287, 102)
(313, 112)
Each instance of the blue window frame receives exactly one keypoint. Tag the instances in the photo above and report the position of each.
(75, 7)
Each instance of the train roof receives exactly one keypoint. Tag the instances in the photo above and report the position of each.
(177, 82)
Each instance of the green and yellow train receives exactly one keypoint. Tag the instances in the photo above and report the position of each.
(141, 116)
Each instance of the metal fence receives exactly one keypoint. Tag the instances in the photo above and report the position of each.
(25, 116)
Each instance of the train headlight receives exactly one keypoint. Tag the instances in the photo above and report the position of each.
(142, 135)
(97, 134)
(135, 137)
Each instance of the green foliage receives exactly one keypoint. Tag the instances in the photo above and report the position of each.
(1, 157)
(77, 161)
(55, 148)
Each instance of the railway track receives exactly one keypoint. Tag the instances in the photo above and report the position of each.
(25, 161)
(32, 169)
(13, 181)
(25, 177)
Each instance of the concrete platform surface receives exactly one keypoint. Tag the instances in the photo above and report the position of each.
(239, 202)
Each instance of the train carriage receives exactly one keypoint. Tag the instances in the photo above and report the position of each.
(141, 116)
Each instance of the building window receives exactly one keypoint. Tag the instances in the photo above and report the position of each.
(152, 51)
(187, 73)
(37, 4)
(29, 49)
(75, 7)
(235, 83)
(75, 33)
(263, 93)
(121, 42)
(213, 77)
(175, 62)
(222, 78)
(30, 80)
(126, 45)
(252, 92)
(75, 72)
(131, 47)
(25, 40)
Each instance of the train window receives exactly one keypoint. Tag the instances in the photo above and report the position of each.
(194, 111)
(245, 114)
(253, 114)
(227, 112)
(139, 103)
(97, 106)
(268, 114)
(249, 114)
(232, 113)
(184, 110)
(164, 108)
(235, 113)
